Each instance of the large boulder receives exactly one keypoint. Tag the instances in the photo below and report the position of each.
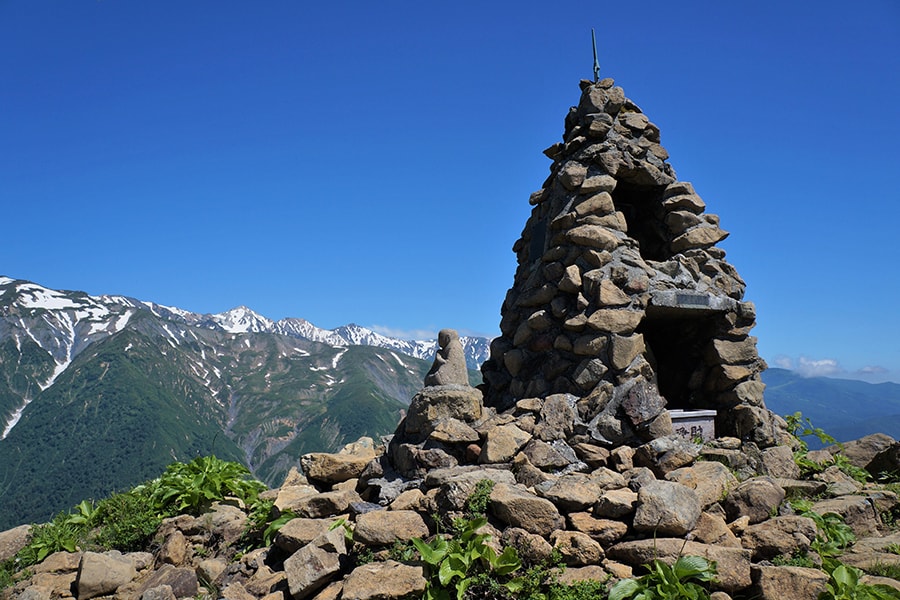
(732, 564)
(348, 463)
(516, 506)
(666, 508)
(796, 583)
(13, 540)
(781, 535)
(384, 527)
(756, 498)
(388, 580)
(102, 574)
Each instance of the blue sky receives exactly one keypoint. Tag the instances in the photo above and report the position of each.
(371, 162)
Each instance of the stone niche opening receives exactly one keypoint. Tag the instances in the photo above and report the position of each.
(676, 340)
(641, 206)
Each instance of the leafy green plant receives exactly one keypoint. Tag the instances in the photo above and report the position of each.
(478, 501)
(55, 536)
(881, 569)
(843, 463)
(801, 427)
(668, 582)
(125, 521)
(797, 559)
(194, 486)
(844, 584)
(456, 563)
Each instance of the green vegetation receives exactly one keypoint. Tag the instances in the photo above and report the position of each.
(801, 427)
(194, 486)
(844, 584)
(478, 501)
(681, 580)
(452, 565)
(127, 521)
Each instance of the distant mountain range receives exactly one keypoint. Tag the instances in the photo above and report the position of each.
(98, 393)
(846, 409)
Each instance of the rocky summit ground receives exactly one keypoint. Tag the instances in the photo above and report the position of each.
(343, 525)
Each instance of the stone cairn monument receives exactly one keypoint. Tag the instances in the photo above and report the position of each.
(622, 310)
(622, 305)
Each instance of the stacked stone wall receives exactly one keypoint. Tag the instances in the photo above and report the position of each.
(620, 286)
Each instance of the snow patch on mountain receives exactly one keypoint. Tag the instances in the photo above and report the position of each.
(242, 320)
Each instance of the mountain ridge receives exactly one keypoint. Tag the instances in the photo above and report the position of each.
(114, 386)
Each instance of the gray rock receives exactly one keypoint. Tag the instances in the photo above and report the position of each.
(517, 507)
(310, 569)
(796, 583)
(781, 535)
(732, 564)
(711, 480)
(386, 580)
(756, 498)
(576, 549)
(666, 508)
(13, 540)
(183, 581)
(449, 367)
(384, 527)
(102, 574)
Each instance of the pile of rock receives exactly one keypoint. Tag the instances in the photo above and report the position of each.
(605, 512)
(621, 296)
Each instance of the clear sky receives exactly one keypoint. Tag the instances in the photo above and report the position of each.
(371, 162)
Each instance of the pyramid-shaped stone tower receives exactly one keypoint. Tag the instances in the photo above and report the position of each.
(621, 298)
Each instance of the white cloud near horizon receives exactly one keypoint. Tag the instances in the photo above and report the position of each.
(821, 367)
(422, 334)
(830, 367)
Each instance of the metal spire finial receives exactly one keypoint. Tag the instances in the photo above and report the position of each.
(596, 63)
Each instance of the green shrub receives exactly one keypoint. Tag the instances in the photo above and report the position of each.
(126, 521)
(844, 584)
(192, 487)
(455, 564)
(477, 503)
(678, 581)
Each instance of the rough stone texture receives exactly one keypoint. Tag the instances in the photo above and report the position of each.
(666, 508)
(13, 540)
(781, 535)
(796, 583)
(348, 463)
(175, 549)
(619, 283)
(517, 507)
(434, 404)
(449, 367)
(709, 479)
(384, 527)
(576, 549)
(502, 443)
(617, 503)
(102, 574)
(605, 531)
(756, 499)
(859, 513)
(300, 531)
(531, 547)
(309, 569)
(732, 564)
(778, 461)
(183, 581)
(861, 452)
(387, 580)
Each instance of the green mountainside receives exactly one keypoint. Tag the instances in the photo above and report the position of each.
(846, 409)
(103, 405)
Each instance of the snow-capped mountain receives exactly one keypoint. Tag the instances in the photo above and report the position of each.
(104, 390)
